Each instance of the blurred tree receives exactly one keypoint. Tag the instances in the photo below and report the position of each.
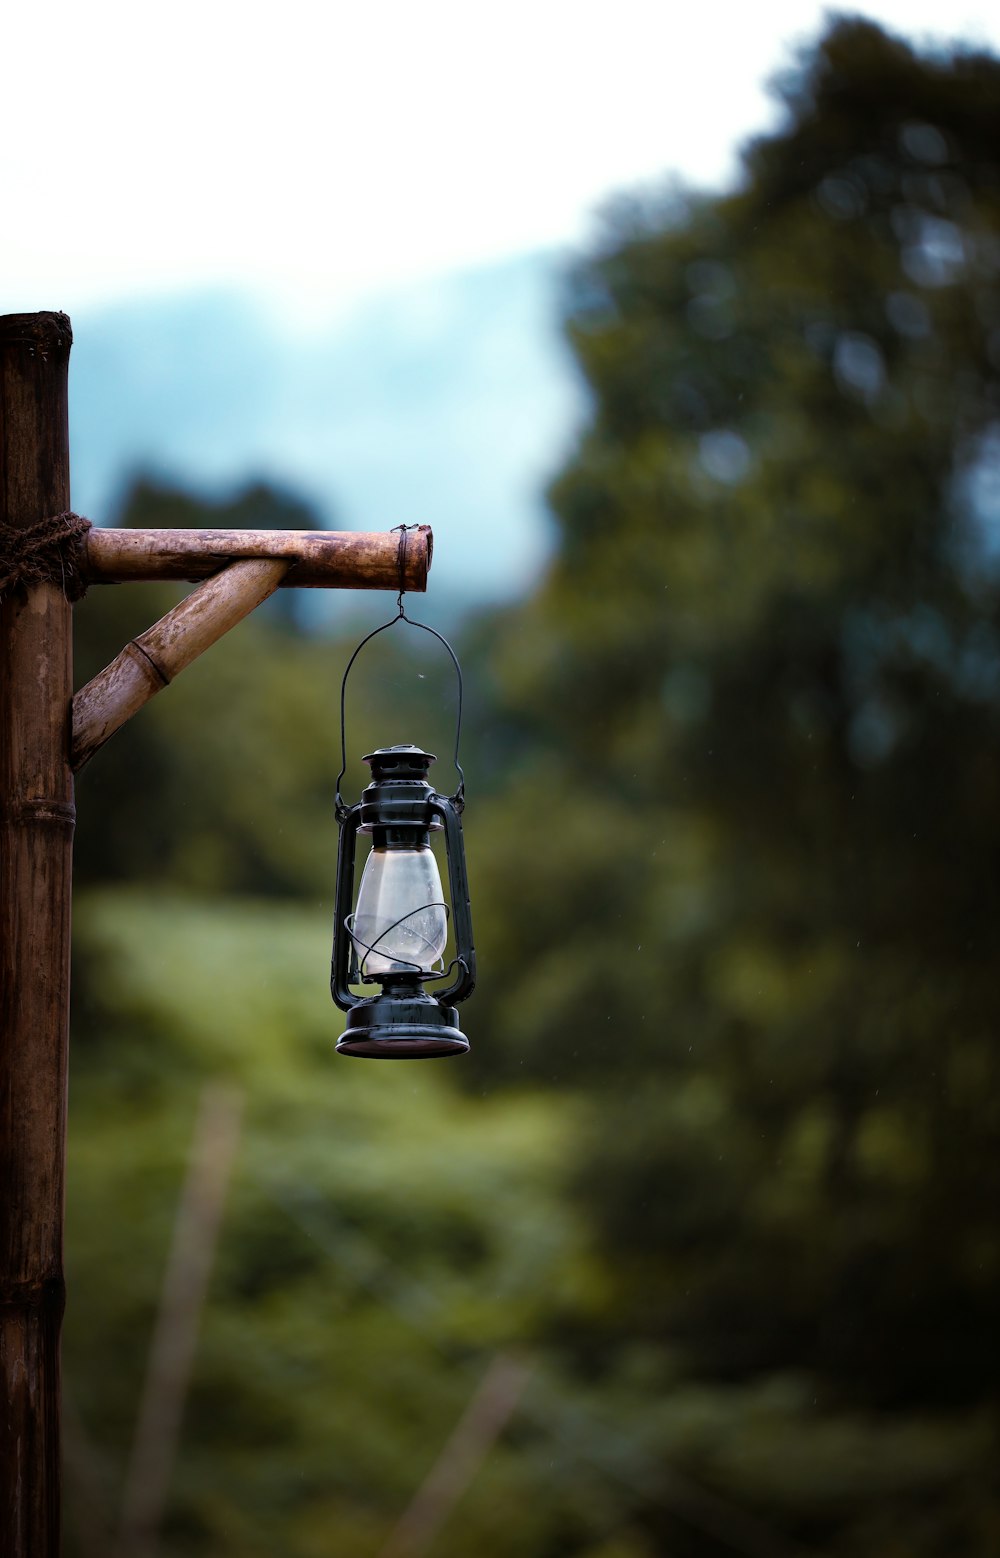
(762, 693)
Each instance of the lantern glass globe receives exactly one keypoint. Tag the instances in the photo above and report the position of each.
(401, 923)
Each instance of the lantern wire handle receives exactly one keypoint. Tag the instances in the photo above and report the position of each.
(458, 799)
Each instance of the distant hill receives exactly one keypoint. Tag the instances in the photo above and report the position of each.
(449, 402)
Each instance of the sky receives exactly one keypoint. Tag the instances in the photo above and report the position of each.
(448, 401)
(314, 153)
(321, 245)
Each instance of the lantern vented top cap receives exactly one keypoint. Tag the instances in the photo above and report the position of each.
(404, 761)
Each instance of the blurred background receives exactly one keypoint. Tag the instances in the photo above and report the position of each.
(683, 332)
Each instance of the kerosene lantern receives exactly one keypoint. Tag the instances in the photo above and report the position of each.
(394, 937)
(396, 934)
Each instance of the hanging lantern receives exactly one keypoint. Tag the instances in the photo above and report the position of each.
(394, 937)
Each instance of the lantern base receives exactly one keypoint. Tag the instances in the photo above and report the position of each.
(405, 1025)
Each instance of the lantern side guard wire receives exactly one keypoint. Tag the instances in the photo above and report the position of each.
(418, 968)
(458, 798)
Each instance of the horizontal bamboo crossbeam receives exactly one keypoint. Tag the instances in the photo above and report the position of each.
(151, 662)
(317, 559)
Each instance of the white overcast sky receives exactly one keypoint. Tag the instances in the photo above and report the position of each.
(309, 153)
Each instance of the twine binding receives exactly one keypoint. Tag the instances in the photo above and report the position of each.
(50, 552)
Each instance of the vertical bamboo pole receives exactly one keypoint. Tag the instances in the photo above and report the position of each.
(474, 1436)
(171, 1353)
(36, 833)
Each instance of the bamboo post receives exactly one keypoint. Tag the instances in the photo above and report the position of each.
(36, 833)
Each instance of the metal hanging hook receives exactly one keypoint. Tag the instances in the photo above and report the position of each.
(404, 531)
(458, 799)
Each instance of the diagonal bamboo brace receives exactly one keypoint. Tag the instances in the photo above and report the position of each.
(152, 661)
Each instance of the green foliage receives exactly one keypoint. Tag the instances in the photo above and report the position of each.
(723, 1160)
(762, 684)
(384, 1237)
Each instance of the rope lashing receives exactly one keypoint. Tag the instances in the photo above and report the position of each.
(50, 552)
